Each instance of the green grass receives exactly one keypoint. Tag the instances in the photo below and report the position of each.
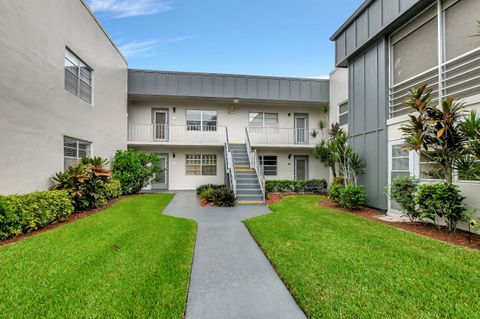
(339, 265)
(128, 261)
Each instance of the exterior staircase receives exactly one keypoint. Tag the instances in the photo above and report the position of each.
(248, 189)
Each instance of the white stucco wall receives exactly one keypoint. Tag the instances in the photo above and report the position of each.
(35, 110)
(338, 93)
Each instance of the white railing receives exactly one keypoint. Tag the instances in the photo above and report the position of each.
(283, 136)
(458, 77)
(255, 162)
(167, 133)
(229, 166)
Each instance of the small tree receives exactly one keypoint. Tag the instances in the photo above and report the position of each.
(135, 170)
(403, 191)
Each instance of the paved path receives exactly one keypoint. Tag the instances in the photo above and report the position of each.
(231, 278)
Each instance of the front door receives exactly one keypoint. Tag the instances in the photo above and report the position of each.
(161, 179)
(301, 168)
(301, 128)
(160, 127)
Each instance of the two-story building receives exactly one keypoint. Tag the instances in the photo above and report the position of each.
(194, 120)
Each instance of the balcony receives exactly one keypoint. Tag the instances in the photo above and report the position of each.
(275, 136)
(176, 134)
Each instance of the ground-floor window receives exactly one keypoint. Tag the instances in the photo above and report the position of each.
(400, 165)
(201, 164)
(269, 165)
(73, 150)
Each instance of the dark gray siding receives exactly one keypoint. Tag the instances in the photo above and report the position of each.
(370, 22)
(179, 84)
(367, 118)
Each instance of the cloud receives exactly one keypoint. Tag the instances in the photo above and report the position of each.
(129, 8)
(319, 77)
(138, 48)
(180, 39)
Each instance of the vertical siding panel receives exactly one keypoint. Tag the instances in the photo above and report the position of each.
(252, 88)
(241, 87)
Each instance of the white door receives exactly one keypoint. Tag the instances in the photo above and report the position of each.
(160, 127)
(301, 168)
(301, 128)
(161, 179)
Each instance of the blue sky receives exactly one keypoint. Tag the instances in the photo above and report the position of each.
(264, 37)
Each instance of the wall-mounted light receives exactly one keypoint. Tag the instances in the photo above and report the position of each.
(236, 101)
(173, 154)
(289, 156)
(174, 109)
(232, 109)
(289, 114)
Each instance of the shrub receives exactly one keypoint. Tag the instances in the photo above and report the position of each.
(224, 197)
(334, 192)
(201, 188)
(113, 189)
(20, 214)
(352, 196)
(402, 191)
(288, 186)
(442, 200)
(208, 194)
(338, 181)
(135, 170)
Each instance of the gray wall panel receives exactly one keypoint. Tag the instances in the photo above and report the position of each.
(362, 28)
(391, 10)
(351, 39)
(182, 84)
(374, 18)
(367, 119)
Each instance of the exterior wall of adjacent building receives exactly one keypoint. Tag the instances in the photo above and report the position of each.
(36, 111)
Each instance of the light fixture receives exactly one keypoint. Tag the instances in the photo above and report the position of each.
(232, 109)
(174, 109)
(173, 154)
(289, 156)
(236, 101)
(289, 114)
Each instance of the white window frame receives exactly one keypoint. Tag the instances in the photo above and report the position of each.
(262, 163)
(263, 119)
(203, 158)
(79, 64)
(441, 76)
(343, 113)
(76, 149)
(211, 128)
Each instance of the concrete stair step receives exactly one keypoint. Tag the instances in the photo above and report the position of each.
(249, 192)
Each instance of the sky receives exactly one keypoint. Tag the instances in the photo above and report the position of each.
(256, 37)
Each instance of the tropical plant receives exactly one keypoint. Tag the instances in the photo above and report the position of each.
(403, 191)
(135, 170)
(441, 200)
(224, 197)
(334, 192)
(352, 196)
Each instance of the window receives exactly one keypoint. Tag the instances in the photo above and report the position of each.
(428, 168)
(74, 150)
(198, 120)
(262, 119)
(201, 164)
(269, 165)
(343, 113)
(78, 77)
(399, 166)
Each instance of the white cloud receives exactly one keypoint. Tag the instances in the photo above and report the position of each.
(129, 8)
(138, 48)
(319, 77)
(180, 39)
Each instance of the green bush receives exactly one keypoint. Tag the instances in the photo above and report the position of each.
(352, 196)
(85, 183)
(208, 194)
(20, 214)
(113, 189)
(338, 181)
(201, 188)
(402, 191)
(224, 197)
(334, 192)
(289, 186)
(135, 170)
(442, 200)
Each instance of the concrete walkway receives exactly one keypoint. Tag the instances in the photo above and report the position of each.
(231, 278)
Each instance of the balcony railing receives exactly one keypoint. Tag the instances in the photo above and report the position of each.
(181, 134)
(283, 136)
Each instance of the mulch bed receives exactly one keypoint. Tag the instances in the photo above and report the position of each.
(459, 238)
(74, 217)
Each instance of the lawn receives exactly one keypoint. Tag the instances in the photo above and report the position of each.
(127, 261)
(338, 265)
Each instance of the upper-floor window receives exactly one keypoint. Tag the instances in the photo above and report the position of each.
(73, 150)
(343, 113)
(201, 120)
(78, 77)
(416, 59)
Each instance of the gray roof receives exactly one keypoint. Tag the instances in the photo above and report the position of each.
(226, 86)
(372, 20)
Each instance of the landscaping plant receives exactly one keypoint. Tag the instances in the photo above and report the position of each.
(441, 200)
(289, 186)
(135, 170)
(20, 214)
(224, 197)
(403, 191)
(334, 192)
(351, 196)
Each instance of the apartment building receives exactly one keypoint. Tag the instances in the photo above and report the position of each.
(390, 46)
(63, 91)
(220, 128)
